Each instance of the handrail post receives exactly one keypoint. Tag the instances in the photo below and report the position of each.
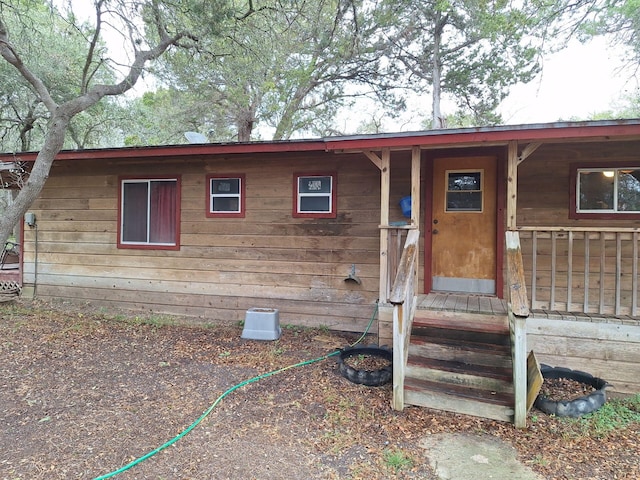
(518, 311)
(404, 300)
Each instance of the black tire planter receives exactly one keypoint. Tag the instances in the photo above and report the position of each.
(371, 378)
(578, 406)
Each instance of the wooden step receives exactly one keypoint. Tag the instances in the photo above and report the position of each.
(467, 322)
(461, 363)
(498, 356)
(464, 377)
(459, 400)
(442, 370)
(462, 391)
(443, 335)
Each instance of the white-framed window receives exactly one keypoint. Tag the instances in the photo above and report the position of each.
(607, 190)
(464, 191)
(149, 214)
(226, 195)
(315, 195)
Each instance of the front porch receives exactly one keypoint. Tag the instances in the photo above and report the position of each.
(468, 353)
(461, 348)
(567, 292)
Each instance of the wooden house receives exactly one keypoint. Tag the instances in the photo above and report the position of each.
(441, 235)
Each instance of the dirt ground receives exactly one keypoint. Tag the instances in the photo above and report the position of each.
(86, 391)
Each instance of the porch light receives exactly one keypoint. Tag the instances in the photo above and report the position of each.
(608, 173)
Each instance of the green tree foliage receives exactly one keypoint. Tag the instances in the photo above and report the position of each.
(619, 19)
(56, 47)
(145, 30)
(470, 51)
(163, 116)
(286, 67)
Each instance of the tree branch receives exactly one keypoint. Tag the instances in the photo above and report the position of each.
(10, 54)
(86, 77)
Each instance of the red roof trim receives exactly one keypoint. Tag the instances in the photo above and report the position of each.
(448, 137)
(488, 137)
(178, 150)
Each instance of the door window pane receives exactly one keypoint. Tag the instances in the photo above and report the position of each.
(464, 191)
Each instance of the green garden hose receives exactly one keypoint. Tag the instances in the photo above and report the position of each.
(219, 399)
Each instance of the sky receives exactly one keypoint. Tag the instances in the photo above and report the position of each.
(575, 82)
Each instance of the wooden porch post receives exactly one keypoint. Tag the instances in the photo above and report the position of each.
(415, 202)
(415, 186)
(512, 178)
(385, 181)
(518, 306)
(512, 185)
(518, 311)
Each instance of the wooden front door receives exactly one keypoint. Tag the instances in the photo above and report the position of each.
(463, 229)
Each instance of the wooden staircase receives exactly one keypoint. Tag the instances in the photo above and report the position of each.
(461, 362)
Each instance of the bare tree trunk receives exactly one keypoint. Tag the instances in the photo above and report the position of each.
(244, 124)
(52, 144)
(27, 125)
(436, 120)
(62, 114)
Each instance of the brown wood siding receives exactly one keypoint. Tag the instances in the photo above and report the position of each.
(543, 201)
(605, 348)
(225, 265)
(544, 181)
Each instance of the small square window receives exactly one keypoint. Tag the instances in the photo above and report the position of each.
(225, 195)
(315, 195)
(464, 191)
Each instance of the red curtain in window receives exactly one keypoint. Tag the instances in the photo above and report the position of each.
(162, 212)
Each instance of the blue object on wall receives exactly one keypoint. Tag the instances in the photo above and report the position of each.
(405, 206)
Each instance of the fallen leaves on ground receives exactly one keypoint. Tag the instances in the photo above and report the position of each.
(85, 391)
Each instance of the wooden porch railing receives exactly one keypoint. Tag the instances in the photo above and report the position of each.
(404, 300)
(395, 240)
(518, 311)
(588, 270)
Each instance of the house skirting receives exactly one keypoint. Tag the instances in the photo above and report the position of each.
(608, 348)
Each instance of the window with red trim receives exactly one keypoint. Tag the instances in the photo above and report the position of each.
(149, 214)
(605, 192)
(226, 195)
(315, 195)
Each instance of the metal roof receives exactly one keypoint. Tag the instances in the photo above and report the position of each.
(453, 137)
